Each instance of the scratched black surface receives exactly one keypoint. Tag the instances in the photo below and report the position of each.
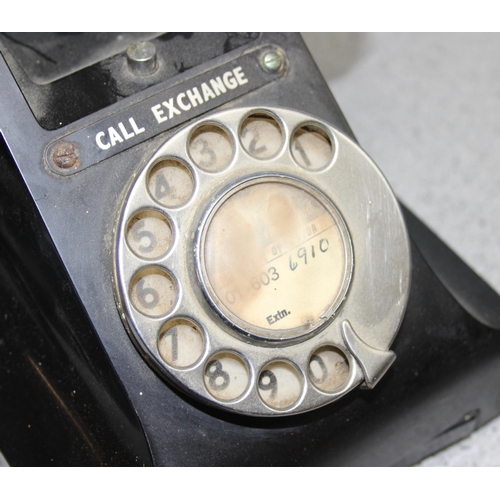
(90, 89)
(61, 402)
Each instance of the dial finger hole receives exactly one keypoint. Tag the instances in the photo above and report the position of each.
(181, 343)
(210, 148)
(280, 385)
(226, 376)
(153, 292)
(328, 369)
(261, 136)
(170, 183)
(312, 147)
(149, 234)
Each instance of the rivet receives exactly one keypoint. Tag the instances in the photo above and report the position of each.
(272, 61)
(65, 155)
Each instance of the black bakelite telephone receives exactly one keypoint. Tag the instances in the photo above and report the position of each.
(200, 266)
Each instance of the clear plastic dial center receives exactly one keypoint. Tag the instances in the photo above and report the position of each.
(275, 259)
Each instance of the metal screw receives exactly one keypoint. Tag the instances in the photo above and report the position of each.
(272, 61)
(141, 58)
(65, 155)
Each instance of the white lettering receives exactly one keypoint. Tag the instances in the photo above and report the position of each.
(100, 143)
(123, 130)
(158, 112)
(170, 106)
(218, 86)
(240, 76)
(207, 92)
(195, 97)
(114, 136)
(186, 101)
(135, 128)
(181, 104)
(229, 80)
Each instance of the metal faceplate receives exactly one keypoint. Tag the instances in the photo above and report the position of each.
(262, 262)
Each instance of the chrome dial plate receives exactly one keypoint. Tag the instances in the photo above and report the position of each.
(247, 247)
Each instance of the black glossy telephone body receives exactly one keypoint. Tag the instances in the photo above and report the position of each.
(200, 266)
